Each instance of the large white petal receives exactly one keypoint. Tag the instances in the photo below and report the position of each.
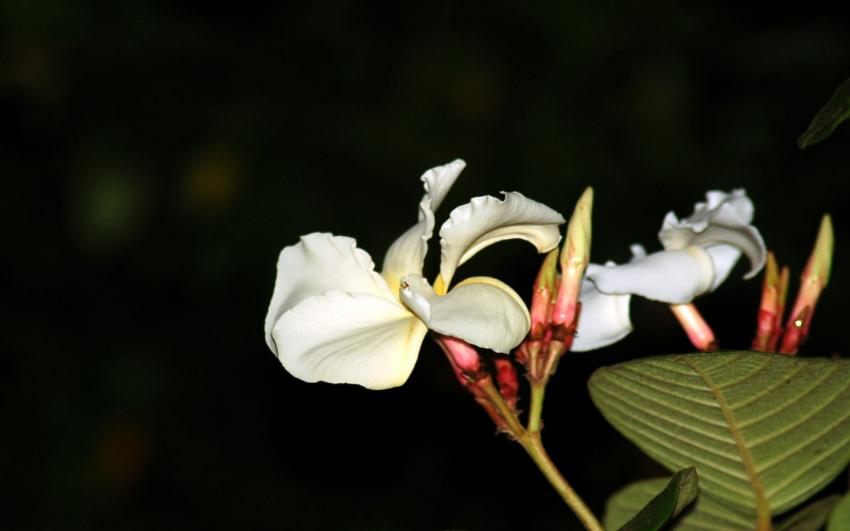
(604, 319)
(354, 338)
(486, 220)
(321, 262)
(407, 254)
(674, 277)
(480, 310)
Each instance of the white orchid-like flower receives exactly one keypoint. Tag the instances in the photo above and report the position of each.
(332, 318)
(699, 253)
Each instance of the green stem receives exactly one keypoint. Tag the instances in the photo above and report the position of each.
(534, 447)
(538, 391)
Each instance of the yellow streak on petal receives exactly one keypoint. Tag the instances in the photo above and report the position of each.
(440, 286)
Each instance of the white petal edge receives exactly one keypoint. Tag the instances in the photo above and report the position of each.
(320, 262)
(486, 220)
(407, 253)
(482, 311)
(352, 338)
(674, 277)
(734, 208)
(603, 320)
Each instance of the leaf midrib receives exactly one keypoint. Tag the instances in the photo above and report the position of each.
(762, 507)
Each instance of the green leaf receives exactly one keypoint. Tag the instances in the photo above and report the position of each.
(681, 490)
(836, 110)
(704, 514)
(840, 518)
(763, 430)
(810, 518)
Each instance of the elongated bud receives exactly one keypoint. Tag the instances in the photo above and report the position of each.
(575, 255)
(462, 354)
(770, 302)
(541, 299)
(506, 377)
(812, 282)
(783, 295)
(698, 330)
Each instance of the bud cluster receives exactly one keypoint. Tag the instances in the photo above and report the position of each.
(775, 290)
(555, 305)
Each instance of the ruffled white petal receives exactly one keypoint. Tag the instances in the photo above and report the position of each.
(354, 338)
(674, 277)
(321, 262)
(406, 255)
(604, 319)
(486, 220)
(480, 310)
(729, 209)
(721, 223)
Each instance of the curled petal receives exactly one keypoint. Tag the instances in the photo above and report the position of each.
(354, 338)
(407, 254)
(732, 241)
(321, 262)
(722, 226)
(486, 220)
(480, 310)
(674, 277)
(604, 319)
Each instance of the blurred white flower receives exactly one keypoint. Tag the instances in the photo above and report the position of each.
(332, 318)
(699, 253)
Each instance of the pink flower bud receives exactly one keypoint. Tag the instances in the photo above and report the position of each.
(575, 255)
(774, 291)
(507, 379)
(462, 354)
(541, 298)
(814, 279)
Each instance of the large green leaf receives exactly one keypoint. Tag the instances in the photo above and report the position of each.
(812, 517)
(681, 490)
(840, 518)
(756, 426)
(836, 110)
(704, 514)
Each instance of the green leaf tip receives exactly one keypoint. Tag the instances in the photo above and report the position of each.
(836, 110)
(680, 491)
(701, 515)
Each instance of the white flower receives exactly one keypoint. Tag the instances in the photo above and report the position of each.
(699, 253)
(332, 318)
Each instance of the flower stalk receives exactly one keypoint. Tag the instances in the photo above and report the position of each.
(698, 330)
(493, 400)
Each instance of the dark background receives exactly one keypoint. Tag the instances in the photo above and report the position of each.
(157, 157)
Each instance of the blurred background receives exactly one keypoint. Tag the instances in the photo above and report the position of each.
(157, 157)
